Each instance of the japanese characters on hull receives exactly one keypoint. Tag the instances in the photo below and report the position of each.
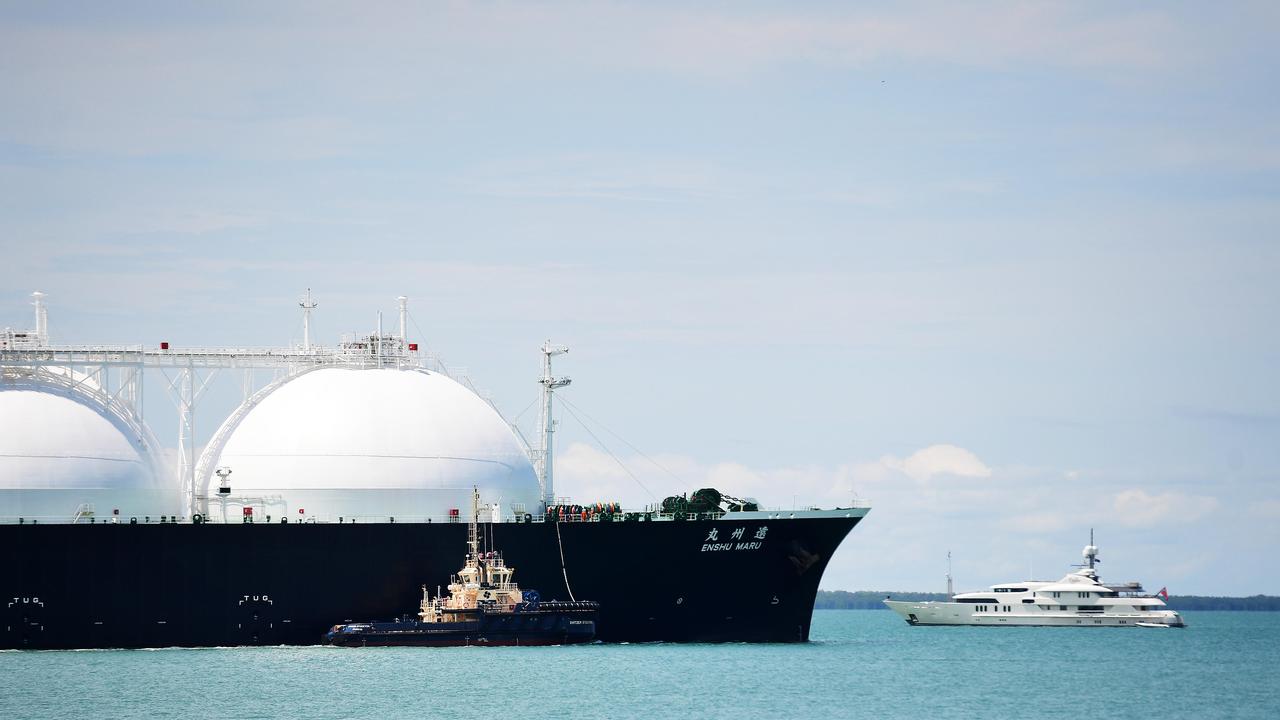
(735, 539)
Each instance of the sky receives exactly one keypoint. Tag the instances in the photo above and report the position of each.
(1008, 271)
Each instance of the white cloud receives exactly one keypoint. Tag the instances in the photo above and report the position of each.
(1138, 508)
(1039, 523)
(925, 464)
(587, 473)
(1016, 519)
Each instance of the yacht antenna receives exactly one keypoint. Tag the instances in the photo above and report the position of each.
(546, 422)
(951, 592)
(1090, 553)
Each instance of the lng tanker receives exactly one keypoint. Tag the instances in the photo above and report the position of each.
(337, 488)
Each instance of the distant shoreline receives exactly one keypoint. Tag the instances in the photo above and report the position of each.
(872, 600)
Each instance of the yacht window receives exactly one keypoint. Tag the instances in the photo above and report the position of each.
(1028, 600)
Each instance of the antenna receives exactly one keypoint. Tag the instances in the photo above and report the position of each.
(307, 305)
(547, 423)
(1090, 553)
(377, 342)
(473, 541)
(404, 316)
(951, 591)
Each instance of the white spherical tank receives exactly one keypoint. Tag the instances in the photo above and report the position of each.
(369, 444)
(60, 454)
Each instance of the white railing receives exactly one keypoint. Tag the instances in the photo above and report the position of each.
(260, 517)
(349, 354)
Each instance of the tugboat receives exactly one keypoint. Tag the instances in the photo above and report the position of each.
(484, 607)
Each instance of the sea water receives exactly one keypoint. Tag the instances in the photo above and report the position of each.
(859, 664)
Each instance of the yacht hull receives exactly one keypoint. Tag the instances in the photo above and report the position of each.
(943, 613)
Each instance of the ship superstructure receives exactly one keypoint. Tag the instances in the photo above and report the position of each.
(484, 581)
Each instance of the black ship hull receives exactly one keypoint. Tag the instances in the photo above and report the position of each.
(162, 585)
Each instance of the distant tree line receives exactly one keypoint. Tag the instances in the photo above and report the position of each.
(871, 600)
(867, 599)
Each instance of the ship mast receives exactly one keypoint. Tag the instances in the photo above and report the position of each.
(473, 540)
(546, 423)
(1091, 552)
(951, 592)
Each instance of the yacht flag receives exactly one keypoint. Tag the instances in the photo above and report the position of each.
(1164, 593)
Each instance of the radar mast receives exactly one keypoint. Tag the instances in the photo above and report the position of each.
(951, 591)
(546, 423)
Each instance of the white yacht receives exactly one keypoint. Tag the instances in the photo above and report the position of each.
(1078, 599)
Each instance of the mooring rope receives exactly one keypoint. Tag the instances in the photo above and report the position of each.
(563, 570)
